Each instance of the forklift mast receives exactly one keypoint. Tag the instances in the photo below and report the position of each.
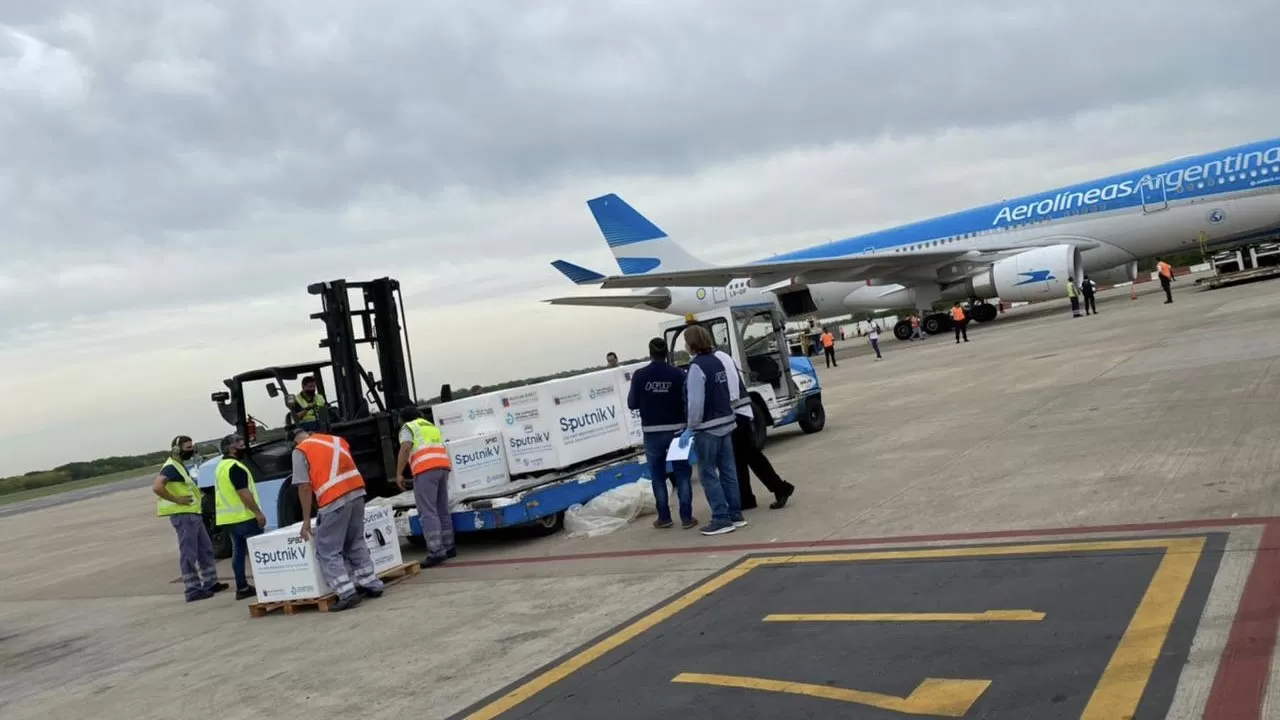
(380, 326)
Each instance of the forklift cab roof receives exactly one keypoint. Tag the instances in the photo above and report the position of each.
(284, 372)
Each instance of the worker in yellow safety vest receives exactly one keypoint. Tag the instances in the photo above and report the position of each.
(325, 471)
(237, 508)
(422, 451)
(307, 405)
(959, 321)
(1165, 271)
(179, 499)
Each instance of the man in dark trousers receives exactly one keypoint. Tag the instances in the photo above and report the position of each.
(657, 391)
(1089, 288)
(746, 456)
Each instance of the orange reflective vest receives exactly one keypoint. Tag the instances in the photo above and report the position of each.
(429, 452)
(1165, 269)
(828, 339)
(333, 471)
(957, 313)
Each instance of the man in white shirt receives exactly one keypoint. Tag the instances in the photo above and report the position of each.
(873, 334)
(746, 456)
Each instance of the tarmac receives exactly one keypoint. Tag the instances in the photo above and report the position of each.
(1062, 518)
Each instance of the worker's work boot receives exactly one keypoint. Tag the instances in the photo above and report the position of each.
(247, 591)
(368, 592)
(349, 601)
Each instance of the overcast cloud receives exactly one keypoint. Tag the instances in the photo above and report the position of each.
(173, 175)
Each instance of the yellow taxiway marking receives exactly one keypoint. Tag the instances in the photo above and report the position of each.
(985, 616)
(934, 696)
(1120, 687)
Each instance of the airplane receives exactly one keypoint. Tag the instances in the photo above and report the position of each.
(1017, 250)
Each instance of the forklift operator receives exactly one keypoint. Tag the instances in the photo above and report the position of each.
(307, 405)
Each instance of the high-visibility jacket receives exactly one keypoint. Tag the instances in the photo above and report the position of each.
(186, 488)
(332, 469)
(1165, 269)
(1071, 290)
(828, 339)
(957, 313)
(311, 409)
(230, 508)
(429, 452)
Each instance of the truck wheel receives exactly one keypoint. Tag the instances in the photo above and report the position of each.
(902, 330)
(813, 418)
(548, 525)
(759, 424)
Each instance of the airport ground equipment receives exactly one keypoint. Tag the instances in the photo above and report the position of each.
(784, 387)
(362, 408)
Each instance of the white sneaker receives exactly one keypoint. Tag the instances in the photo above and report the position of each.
(740, 523)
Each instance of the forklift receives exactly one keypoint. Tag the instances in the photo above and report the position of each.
(363, 409)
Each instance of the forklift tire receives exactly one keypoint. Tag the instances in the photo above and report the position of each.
(220, 538)
(813, 417)
(547, 525)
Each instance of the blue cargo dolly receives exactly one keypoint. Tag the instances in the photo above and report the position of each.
(539, 501)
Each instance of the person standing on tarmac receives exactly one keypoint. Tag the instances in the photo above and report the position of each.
(1165, 271)
(1088, 289)
(179, 499)
(710, 420)
(422, 450)
(657, 391)
(873, 334)
(746, 456)
(237, 508)
(338, 488)
(829, 347)
(959, 321)
(307, 405)
(1074, 296)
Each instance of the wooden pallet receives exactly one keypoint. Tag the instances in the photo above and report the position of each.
(324, 602)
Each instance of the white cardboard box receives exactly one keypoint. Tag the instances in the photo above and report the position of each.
(588, 416)
(634, 427)
(526, 430)
(285, 568)
(479, 463)
(468, 417)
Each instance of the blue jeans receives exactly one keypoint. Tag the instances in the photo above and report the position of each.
(655, 453)
(240, 534)
(719, 475)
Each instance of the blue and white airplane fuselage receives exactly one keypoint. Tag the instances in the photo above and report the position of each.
(1023, 249)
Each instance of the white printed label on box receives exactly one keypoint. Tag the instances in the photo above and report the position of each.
(589, 417)
(530, 448)
(467, 417)
(479, 463)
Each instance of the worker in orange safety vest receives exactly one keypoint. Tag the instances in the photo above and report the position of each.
(1165, 271)
(959, 321)
(423, 452)
(829, 347)
(338, 489)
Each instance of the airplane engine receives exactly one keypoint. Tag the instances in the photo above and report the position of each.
(1127, 272)
(1036, 274)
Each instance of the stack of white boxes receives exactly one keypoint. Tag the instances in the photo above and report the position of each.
(285, 568)
(588, 416)
(634, 432)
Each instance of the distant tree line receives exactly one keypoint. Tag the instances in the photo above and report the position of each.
(71, 472)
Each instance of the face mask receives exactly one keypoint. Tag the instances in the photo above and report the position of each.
(187, 454)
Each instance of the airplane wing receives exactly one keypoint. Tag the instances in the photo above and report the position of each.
(659, 299)
(886, 264)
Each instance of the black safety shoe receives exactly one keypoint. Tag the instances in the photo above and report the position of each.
(350, 601)
(247, 591)
(368, 592)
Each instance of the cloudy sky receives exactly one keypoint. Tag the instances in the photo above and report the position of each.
(173, 175)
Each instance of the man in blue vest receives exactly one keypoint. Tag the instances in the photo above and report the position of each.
(657, 391)
(710, 421)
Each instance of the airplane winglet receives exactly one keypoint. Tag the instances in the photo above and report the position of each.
(576, 273)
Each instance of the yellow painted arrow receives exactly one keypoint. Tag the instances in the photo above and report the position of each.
(935, 696)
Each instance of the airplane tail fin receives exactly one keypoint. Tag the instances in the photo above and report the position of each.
(576, 273)
(637, 244)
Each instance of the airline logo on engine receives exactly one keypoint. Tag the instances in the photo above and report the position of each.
(1037, 276)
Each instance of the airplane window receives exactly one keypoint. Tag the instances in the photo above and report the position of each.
(1263, 171)
(1199, 186)
(1253, 173)
(1231, 177)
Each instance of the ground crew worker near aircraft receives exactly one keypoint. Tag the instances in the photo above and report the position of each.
(335, 483)
(422, 450)
(1165, 270)
(237, 508)
(710, 420)
(657, 391)
(179, 499)
(959, 321)
(307, 405)
(1074, 296)
(1089, 290)
(746, 456)
(829, 347)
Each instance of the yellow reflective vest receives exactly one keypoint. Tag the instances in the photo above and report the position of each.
(186, 488)
(229, 508)
(310, 409)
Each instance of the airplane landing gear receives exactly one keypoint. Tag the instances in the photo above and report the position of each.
(936, 323)
(902, 330)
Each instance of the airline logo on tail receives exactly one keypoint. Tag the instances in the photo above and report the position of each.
(638, 245)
